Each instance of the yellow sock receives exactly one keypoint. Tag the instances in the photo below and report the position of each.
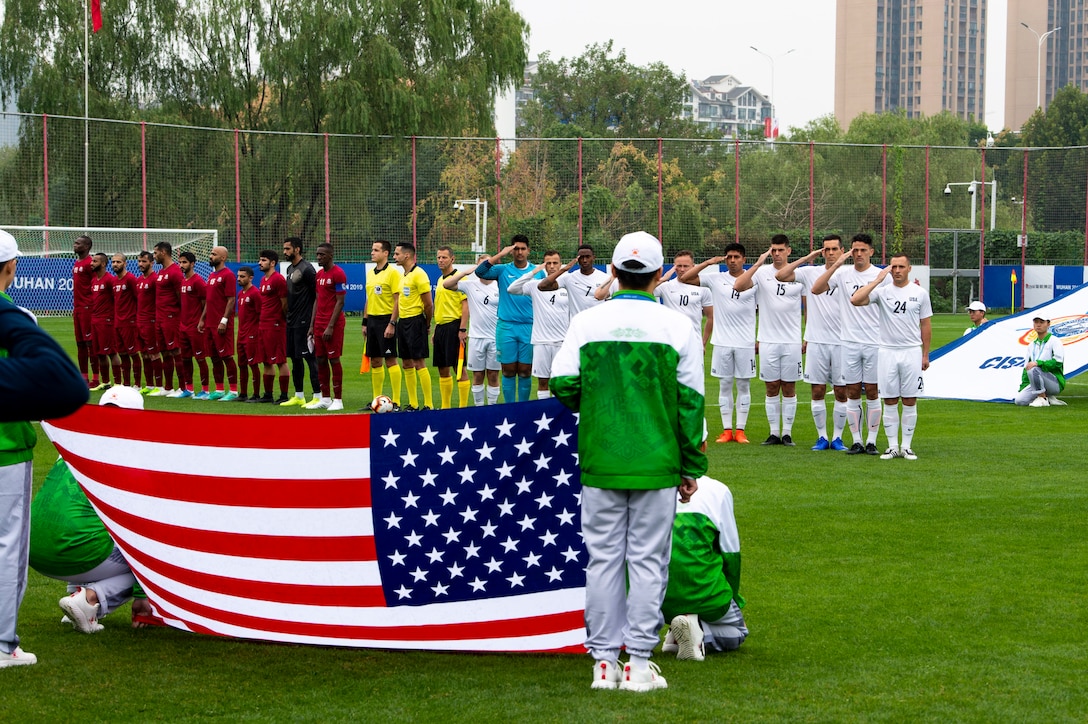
(410, 383)
(377, 378)
(394, 382)
(464, 392)
(445, 386)
(424, 375)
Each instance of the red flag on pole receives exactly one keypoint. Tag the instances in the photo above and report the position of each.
(96, 15)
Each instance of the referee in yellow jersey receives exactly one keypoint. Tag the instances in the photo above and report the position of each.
(383, 286)
(450, 333)
(414, 326)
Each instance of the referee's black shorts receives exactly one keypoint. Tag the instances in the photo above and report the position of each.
(447, 343)
(412, 338)
(377, 346)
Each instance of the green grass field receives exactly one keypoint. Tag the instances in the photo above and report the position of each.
(952, 588)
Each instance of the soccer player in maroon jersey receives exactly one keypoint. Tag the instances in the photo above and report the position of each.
(273, 325)
(81, 308)
(145, 324)
(103, 345)
(218, 325)
(124, 316)
(194, 297)
(327, 330)
(168, 316)
(249, 335)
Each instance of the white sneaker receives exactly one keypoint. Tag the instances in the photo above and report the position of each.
(336, 405)
(648, 679)
(908, 454)
(159, 392)
(1055, 402)
(689, 637)
(83, 613)
(890, 454)
(606, 675)
(1039, 401)
(321, 403)
(176, 393)
(669, 647)
(17, 657)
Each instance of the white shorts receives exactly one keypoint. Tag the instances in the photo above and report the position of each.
(543, 354)
(823, 364)
(859, 363)
(733, 362)
(780, 362)
(900, 372)
(482, 354)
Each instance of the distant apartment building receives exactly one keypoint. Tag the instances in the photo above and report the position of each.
(918, 56)
(1064, 54)
(723, 104)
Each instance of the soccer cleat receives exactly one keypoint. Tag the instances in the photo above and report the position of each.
(406, 408)
(726, 436)
(837, 444)
(282, 399)
(293, 402)
(606, 675)
(890, 454)
(821, 444)
(336, 406)
(256, 399)
(313, 399)
(1055, 402)
(159, 392)
(772, 440)
(320, 404)
(145, 390)
(240, 398)
(17, 657)
(647, 679)
(228, 397)
(185, 394)
(202, 395)
(99, 387)
(870, 449)
(1040, 401)
(907, 454)
(856, 449)
(83, 613)
(689, 637)
(669, 647)
(787, 440)
(739, 436)
(217, 395)
(178, 393)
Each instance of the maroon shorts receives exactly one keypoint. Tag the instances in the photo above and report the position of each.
(128, 339)
(332, 349)
(149, 341)
(102, 339)
(168, 334)
(274, 345)
(220, 345)
(192, 344)
(249, 349)
(81, 321)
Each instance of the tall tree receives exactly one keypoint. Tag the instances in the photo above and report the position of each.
(1057, 192)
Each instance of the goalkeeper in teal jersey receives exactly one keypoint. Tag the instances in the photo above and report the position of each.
(703, 601)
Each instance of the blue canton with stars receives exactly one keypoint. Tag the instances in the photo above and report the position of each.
(476, 503)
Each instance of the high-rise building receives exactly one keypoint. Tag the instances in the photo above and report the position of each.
(1029, 82)
(918, 56)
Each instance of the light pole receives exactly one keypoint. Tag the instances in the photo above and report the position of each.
(772, 59)
(972, 188)
(480, 245)
(1039, 62)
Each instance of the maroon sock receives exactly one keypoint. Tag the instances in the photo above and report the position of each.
(337, 379)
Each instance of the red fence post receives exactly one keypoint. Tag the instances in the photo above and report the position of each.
(1024, 234)
(45, 175)
(926, 213)
(415, 202)
(736, 190)
(328, 210)
(498, 194)
(811, 195)
(237, 201)
(982, 232)
(660, 193)
(143, 175)
(581, 239)
(884, 205)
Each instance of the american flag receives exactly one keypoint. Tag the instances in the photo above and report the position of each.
(446, 530)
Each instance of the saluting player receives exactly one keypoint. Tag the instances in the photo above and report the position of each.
(481, 358)
(551, 317)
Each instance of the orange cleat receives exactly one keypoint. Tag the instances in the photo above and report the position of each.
(740, 437)
(726, 436)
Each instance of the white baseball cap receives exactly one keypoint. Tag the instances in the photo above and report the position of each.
(976, 306)
(638, 247)
(122, 396)
(9, 249)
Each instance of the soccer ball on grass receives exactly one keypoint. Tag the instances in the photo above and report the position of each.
(381, 404)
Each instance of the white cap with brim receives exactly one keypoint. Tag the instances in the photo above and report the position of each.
(122, 396)
(639, 253)
(976, 306)
(9, 249)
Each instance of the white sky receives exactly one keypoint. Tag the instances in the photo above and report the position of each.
(701, 38)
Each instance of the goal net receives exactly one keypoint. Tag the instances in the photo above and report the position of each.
(43, 276)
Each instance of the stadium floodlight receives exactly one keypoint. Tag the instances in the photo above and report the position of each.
(480, 244)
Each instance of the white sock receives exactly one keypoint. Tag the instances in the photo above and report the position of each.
(744, 402)
(838, 416)
(819, 417)
(910, 421)
(479, 398)
(543, 394)
(639, 663)
(891, 425)
(873, 410)
(789, 414)
(725, 402)
(853, 417)
(300, 395)
(493, 395)
(774, 414)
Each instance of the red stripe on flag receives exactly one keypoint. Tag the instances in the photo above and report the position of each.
(288, 593)
(245, 545)
(254, 432)
(208, 490)
(96, 15)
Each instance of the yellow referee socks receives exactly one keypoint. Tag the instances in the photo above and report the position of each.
(445, 387)
(410, 383)
(394, 382)
(377, 379)
(464, 392)
(424, 375)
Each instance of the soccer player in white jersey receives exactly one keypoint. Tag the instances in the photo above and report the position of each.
(861, 338)
(905, 333)
(691, 300)
(733, 339)
(483, 316)
(779, 336)
(823, 342)
(551, 317)
(580, 285)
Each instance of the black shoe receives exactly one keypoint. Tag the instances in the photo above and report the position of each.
(425, 408)
(406, 408)
(267, 399)
(772, 440)
(256, 399)
(280, 400)
(870, 449)
(240, 398)
(856, 449)
(787, 441)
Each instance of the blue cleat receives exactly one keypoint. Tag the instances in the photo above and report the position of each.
(837, 444)
(822, 444)
(184, 394)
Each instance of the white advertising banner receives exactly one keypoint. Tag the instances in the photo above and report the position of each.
(1038, 285)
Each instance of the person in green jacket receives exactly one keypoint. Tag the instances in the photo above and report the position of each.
(1043, 378)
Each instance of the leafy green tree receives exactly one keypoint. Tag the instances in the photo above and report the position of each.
(1057, 190)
